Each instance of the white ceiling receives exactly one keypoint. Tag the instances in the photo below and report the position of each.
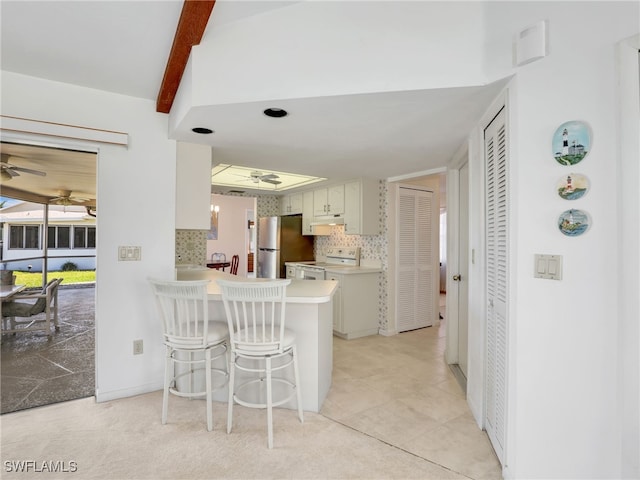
(123, 46)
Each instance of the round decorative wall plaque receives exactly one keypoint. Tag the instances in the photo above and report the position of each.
(572, 186)
(574, 223)
(571, 142)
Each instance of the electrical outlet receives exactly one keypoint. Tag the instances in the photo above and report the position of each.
(137, 347)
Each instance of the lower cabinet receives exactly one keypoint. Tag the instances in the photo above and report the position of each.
(355, 304)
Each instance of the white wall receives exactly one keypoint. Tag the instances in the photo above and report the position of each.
(629, 255)
(136, 206)
(564, 334)
(348, 47)
(232, 228)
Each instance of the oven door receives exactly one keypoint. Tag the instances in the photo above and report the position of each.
(311, 273)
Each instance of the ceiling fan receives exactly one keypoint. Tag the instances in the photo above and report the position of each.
(257, 177)
(8, 171)
(65, 199)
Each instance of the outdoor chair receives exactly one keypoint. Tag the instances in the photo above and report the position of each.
(46, 302)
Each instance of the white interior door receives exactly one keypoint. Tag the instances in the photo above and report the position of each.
(418, 285)
(463, 270)
(496, 231)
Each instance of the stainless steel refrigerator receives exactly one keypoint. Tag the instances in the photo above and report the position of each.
(280, 240)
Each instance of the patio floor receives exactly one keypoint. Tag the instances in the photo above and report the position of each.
(36, 371)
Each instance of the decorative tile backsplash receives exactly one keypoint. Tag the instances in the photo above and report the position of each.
(191, 245)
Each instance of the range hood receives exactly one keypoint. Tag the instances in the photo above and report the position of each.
(322, 225)
(327, 221)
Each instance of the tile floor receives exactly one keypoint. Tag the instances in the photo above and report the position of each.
(395, 389)
(400, 390)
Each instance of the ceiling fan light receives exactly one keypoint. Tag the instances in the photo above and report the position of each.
(6, 176)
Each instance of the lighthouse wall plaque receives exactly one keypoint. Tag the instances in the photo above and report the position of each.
(574, 223)
(571, 142)
(572, 186)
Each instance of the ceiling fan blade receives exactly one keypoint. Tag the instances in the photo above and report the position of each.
(273, 182)
(28, 170)
(269, 176)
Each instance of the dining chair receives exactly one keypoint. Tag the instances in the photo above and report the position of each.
(260, 346)
(46, 302)
(192, 340)
(235, 261)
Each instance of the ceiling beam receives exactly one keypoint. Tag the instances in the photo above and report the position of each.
(193, 21)
(23, 195)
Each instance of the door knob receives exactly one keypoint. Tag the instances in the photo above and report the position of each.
(457, 278)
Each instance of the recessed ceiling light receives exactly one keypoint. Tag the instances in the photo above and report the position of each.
(275, 112)
(202, 130)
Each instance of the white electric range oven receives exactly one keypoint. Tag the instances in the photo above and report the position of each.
(335, 257)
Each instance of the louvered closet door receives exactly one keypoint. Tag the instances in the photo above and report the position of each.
(496, 282)
(417, 260)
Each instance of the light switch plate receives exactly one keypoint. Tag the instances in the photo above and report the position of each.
(547, 266)
(127, 254)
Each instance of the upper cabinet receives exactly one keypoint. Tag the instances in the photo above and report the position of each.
(328, 201)
(291, 204)
(307, 213)
(362, 207)
(193, 186)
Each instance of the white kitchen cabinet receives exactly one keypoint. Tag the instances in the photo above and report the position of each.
(307, 212)
(362, 207)
(355, 304)
(328, 201)
(193, 186)
(291, 204)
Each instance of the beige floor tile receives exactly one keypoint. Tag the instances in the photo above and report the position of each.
(345, 400)
(438, 404)
(470, 455)
(391, 422)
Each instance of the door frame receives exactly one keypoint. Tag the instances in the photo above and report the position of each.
(476, 375)
(461, 157)
(393, 184)
(73, 138)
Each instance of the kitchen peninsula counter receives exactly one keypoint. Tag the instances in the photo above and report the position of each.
(309, 314)
(299, 291)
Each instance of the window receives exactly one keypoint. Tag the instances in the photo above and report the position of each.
(59, 237)
(24, 236)
(84, 237)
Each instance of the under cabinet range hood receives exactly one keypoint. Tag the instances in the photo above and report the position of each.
(327, 221)
(321, 226)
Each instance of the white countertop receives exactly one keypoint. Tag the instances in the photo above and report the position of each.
(347, 270)
(352, 270)
(299, 291)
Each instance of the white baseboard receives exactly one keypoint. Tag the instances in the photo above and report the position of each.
(127, 392)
